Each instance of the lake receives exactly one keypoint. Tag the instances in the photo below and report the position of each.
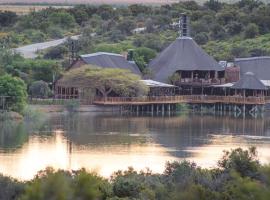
(109, 142)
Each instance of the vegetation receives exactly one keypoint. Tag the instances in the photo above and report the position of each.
(39, 89)
(239, 176)
(15, 91)
(225, 31)
(106, 80)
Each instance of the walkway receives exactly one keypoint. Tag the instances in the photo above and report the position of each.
(192, 99)
(30, 51)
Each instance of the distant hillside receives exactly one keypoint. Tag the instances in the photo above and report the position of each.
(91, 1)
(102, 1)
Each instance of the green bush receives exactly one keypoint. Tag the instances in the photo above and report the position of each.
(15, 89)
(180, 181)
(39, 89)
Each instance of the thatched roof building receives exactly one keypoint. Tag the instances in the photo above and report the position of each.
(107, 60)
(182, 55)
(260, 66)
(249, 82)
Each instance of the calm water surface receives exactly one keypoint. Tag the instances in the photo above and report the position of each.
(108, 142)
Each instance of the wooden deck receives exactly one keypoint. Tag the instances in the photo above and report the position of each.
(192, 99)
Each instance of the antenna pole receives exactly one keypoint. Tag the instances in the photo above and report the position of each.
(183, 25)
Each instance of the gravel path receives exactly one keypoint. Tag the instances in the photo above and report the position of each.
(30, 51)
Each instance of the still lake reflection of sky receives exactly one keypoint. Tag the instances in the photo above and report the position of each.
(106, 143)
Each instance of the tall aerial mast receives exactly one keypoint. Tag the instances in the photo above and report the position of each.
(183, 25)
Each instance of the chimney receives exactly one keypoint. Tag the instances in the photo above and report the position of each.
(183, 25)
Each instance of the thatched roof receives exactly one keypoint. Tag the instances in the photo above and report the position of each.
(185, 55)
(249, 81)
(260, 66)
(110, 60)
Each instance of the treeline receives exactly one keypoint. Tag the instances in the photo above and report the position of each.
(112, 28)
(239, 175)
(212, 21)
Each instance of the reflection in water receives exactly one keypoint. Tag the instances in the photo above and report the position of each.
(107, 143)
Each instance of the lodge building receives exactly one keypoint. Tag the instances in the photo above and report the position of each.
(184, 68)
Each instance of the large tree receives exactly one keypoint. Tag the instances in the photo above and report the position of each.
(15, 89)
(105, 80)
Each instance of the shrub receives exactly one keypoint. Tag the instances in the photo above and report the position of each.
(39, 89)
(251, 31)
(15, 89)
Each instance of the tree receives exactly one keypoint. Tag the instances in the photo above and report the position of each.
(213, 5)
(142, 57)
(251, 31)
(106, 80)
(63, 19)
(49, 184)
(15, 89)
(10, 188)
(57, 52)
(7, 18)
(239, 51)
(39, 69)
(126, 26)
(39, 89)
(234, 28)
(201, 38)
(244, 162)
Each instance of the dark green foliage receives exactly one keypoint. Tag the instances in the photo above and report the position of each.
(242, 161)
(251, 31)
(105, 24)
(180, 181)
(57, 52)
(201, 38)
(7, 18)
(10, 189)
(142, 56)
(15, 89)
(39, 89)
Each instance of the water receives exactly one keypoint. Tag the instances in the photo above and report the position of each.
(106, 143)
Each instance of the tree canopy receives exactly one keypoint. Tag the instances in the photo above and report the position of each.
(105, 80)
(180, 181)
(15, 89)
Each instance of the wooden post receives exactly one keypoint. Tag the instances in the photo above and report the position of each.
(163, 109)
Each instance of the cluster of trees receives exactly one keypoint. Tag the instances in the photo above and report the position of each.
(212, 21)
(239, 176)
(20, 77)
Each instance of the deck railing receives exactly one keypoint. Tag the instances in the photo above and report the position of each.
(182, 99)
